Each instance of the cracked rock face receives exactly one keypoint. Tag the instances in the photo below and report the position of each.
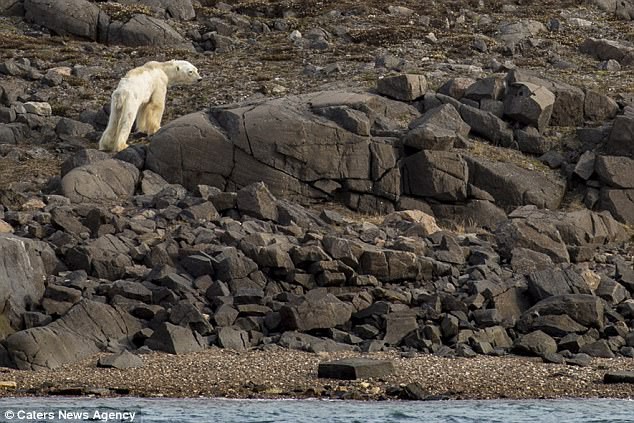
(24, 265)
(302, 147)
(86, 329)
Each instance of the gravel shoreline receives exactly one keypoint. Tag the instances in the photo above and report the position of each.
(281, 373)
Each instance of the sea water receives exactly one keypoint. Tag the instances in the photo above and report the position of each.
(164, 410)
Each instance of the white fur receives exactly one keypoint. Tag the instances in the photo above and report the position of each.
(140, 95)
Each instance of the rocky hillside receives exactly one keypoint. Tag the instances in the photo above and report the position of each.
(295, 197)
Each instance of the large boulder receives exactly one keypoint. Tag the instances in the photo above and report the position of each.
(319, 310)
(529, 104)
(619, 202)
(437, 129)
(143, 30)
(603, 49)
(441, 175)
(24, 266)
(88, 327)
(102, 181)
(620, 140)
(321, 142)
(69, 17)
(512, 186)
(568, 108)
(587, 310)
(175, 9)
(615, 171)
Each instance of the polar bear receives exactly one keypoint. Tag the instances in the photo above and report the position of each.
(141, 95)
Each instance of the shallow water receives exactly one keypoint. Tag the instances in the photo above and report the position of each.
(263, 411)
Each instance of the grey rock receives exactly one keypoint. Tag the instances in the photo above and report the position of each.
(529, 104)
(569, 100)
(175, 9)
(123, 360)
(486, 88)
(537, 343)
(69, 17)
(87, 328)
(584, 309)
(82, 158)
(620, 203)
(305, 342)
(319, 310)
(143, 30)
(585, 165)
(405, 87)
(174, 339)
(436, 174)
(615, 171)
(618, 376)
(398, 325)
(24, 267)
(437, 129)
(620, 139)
(604, 49)
(599, 107)
(101, 181)
(487, 125)
(257, 200)
(235, 339)
(512, 186)
(355, 368)
(549, 282)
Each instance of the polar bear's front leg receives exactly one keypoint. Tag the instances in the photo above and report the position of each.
(153, 112)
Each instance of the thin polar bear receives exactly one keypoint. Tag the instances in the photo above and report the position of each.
(140, 95)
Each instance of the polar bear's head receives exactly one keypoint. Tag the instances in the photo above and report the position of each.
(182, 72)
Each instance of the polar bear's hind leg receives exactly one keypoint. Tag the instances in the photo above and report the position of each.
(153, 111)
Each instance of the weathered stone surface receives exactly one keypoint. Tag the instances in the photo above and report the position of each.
(319, 310)
(537, 343)
(512, 186)
(599, 107)
(619, 202)
(569, 100)
(620, 139)
(76, 17)
(306, 159)
(174, 339)
(512, 33)
(176, 9)
(398, 325)
(143, 30)
(604, 49)
(437, 174)
(232, 338)
(584, 309)
(486, 88)
(105, 180)
(305, 342)
(437, 129)
(123, 360)
(406, 87)
(355, 368)
(616, 171)
(24, 266)
(487, 125)
(619, 376)
(529, 104)
(256, 200)
(87, 328)
(549, 282)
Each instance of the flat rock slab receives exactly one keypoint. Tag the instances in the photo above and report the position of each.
(355, 368)
(619, 377)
